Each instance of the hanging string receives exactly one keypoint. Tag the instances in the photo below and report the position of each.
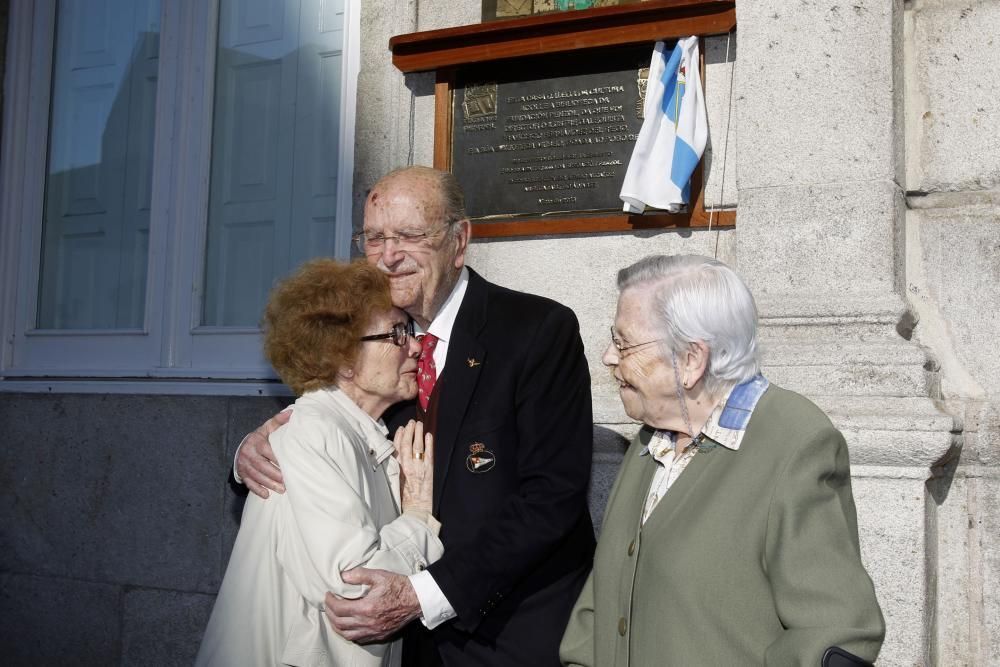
(725, 144)
(411, 130)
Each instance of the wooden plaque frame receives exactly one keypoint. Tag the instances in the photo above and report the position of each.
(445, 51)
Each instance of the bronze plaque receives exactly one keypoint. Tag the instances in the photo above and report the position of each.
(543, 139)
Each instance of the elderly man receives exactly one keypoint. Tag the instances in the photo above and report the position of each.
(505, 389)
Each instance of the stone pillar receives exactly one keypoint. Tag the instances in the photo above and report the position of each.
(820, 239)
(952, 270)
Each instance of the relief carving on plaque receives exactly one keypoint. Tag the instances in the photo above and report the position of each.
(479, 101)
(511, 8)
(567, 5)
(506, 9)
(642, 79)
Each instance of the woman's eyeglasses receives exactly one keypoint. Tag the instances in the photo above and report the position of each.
(623, 348)
(399, 335)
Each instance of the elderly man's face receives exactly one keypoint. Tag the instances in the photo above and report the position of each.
(421, 272)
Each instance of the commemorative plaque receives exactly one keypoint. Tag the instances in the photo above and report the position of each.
(548, 138)
(537, 116)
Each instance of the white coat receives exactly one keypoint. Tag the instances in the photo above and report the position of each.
(340, 510)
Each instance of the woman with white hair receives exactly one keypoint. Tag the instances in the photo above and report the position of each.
(730, 536)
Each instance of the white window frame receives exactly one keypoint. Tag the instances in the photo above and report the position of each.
(170, 354)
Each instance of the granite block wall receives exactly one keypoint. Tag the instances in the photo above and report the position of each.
(952, 125)
(117, 520)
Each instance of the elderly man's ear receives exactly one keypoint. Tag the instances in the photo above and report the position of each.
(462, 242)
(694, 363)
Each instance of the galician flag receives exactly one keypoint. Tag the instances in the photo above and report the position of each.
(673, 134)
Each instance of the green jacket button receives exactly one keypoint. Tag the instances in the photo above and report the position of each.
(622, 626)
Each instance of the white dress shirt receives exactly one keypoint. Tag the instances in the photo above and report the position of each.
(434, 606)
(444, 321)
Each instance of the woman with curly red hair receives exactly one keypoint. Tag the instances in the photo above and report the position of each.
(352, 496)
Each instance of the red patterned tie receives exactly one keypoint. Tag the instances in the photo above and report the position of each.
(426, 370)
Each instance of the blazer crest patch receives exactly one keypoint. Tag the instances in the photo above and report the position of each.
(480, 459)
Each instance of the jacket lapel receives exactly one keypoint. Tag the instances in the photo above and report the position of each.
(460, 377)
(684, 488)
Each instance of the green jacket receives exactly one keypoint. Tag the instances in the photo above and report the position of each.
(751, 557)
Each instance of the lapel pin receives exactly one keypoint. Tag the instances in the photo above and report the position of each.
(472, 362)
(480, 459)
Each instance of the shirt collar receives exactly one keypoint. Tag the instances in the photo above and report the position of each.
(728, 422)
(375, 431)
(444, 320)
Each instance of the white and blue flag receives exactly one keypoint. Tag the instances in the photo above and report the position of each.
(673, 134)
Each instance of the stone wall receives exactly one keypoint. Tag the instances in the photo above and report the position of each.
(117, 523)
(952, 125)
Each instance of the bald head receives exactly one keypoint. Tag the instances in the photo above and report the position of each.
(421, 214)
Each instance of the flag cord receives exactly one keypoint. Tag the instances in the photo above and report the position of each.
(725, 144)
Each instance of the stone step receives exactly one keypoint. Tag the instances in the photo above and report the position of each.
(886, 412)
(880, 430)
(829, 318)
(855, 379)
(890, 431)
(817, 334)
(898, 352)
(920, 449)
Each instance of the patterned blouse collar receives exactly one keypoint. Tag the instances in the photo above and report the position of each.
(728, 421)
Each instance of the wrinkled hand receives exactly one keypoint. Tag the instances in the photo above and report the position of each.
(390, 604)
(415, 453)
(256, 463)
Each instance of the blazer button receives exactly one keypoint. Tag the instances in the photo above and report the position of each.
(622, 626)
(631, 548)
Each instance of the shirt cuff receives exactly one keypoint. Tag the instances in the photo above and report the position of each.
(434, 606)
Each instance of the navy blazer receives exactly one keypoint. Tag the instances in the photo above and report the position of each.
(517, 532)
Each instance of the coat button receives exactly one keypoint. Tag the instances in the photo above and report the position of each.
(622, 626)
(631, 548)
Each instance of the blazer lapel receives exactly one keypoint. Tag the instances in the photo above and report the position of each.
(459, 378)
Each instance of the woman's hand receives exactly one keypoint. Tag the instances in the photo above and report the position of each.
(415, 453)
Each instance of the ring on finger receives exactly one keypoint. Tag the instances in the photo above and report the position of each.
(418, 456)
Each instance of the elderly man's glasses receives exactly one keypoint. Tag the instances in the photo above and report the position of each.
(623, 348)
(373, 243)
(400, 334)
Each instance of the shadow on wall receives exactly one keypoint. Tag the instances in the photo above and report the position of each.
(609, 448)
